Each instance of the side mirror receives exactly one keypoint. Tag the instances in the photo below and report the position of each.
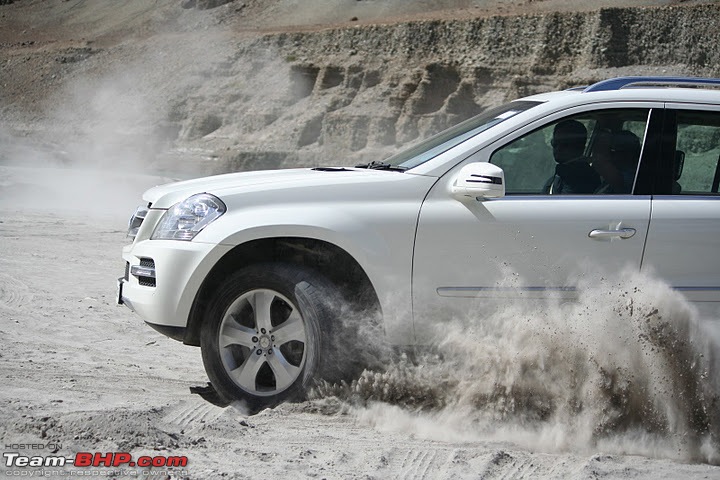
(479, 179)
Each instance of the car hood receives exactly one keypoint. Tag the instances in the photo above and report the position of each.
(165, 196)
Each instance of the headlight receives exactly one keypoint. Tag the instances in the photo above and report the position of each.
(187, 218)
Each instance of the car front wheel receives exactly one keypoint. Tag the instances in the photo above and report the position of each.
(266, 333)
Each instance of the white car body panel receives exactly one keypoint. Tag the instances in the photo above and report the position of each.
(372, 217)
(165, 196)
(181, 268)
(676, 224)
(524, 247)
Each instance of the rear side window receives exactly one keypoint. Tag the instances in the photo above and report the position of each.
(696, 168)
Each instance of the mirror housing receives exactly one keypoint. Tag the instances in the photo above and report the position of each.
(479, 179)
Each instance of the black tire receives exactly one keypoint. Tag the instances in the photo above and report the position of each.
(266, 335)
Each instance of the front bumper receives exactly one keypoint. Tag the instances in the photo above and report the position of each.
(178, 270)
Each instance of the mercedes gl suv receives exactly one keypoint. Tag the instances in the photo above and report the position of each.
(262, 269)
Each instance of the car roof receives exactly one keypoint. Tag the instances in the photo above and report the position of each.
(648, 89)
(644, 94)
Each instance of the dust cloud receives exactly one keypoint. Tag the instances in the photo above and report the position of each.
(95, 146)
(629, 368)
(90, 154)
(108, 135)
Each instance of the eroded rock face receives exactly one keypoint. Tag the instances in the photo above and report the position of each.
(347, 95)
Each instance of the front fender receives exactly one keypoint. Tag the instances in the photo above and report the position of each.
(379, 240)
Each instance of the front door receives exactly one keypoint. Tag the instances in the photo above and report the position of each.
(569, 209)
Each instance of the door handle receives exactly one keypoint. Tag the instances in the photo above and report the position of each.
(617, 233)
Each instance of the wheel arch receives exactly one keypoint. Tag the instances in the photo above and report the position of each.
(331, 261)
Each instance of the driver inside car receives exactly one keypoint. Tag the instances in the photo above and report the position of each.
(573, 172)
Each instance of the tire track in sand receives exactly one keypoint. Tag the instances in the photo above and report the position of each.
(13, 293)
(418, 464)
(191, 414)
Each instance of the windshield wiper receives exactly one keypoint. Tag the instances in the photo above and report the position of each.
(376, 165)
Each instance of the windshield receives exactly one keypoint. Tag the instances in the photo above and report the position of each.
(453, 136)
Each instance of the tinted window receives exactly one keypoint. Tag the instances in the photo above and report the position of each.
(697, 153)
(591, 153)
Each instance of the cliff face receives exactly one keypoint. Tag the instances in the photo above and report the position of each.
(348, 95)
(199, 92)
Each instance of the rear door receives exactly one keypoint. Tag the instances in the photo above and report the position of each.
(683, 245)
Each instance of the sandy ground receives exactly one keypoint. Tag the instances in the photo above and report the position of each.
(81, 373)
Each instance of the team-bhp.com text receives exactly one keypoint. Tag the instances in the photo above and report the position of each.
(97, 459)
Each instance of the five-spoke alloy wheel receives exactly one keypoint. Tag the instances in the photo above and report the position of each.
(262, 342)
(264, 333)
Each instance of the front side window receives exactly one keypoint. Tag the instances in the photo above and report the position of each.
(590, 153)
(697, 154)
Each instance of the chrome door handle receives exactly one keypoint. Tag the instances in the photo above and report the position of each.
(619, 233)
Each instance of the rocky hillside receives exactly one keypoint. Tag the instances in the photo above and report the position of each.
(351, 92)
(199, 90)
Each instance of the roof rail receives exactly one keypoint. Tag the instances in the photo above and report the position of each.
(622, 82)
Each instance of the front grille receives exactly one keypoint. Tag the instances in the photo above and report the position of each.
(127, 271)
(146, 281)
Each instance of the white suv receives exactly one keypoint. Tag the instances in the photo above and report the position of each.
(261, 268)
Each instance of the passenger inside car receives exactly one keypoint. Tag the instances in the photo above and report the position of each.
(615, 158)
